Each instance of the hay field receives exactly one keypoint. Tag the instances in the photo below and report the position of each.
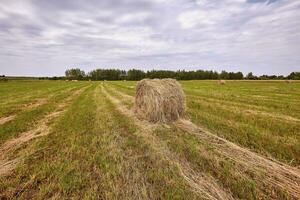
(81, 140)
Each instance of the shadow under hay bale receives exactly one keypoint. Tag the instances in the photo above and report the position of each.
(159, 100)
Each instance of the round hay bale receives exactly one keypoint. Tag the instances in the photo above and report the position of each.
(159, 100)
(222, 82)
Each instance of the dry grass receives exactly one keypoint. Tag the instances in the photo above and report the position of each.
(27, 106)
(278, 175)
(159, 100)
(95, 147)
(96, 153)
(41, 129)
(202, 184)
(4, 120)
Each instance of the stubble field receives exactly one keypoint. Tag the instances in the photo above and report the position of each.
(81, 140)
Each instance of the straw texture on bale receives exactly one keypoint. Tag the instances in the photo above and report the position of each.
(159, 100)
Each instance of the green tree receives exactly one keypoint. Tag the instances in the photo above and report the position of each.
(250, 76)
(224, 75)
(294, 76)
(75, 74)
(134, 74)
(106, 74)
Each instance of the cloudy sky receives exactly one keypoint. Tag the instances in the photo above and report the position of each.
(45, 37)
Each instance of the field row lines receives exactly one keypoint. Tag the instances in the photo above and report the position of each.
(199, 182)
(278, 174)
(41, 128)
(31, 105)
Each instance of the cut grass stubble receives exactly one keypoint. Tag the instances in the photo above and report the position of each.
(277, 175)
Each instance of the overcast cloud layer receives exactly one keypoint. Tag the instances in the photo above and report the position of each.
(45, 37)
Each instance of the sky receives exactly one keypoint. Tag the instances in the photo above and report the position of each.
(46, 37)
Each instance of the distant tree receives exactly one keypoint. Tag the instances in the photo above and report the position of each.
(106, 74)
(270, 77)
(294, 76)
(280, 77)
(264, 77)
(75, 74)
(123, 75)
(231, 75)
(160, 74)
(224, 75)
(134, 74)
(250, 76)
(3, 78)
(55, 78)
(239, 76)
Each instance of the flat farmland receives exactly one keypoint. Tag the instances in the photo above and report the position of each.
(261, 115)
(81, 140)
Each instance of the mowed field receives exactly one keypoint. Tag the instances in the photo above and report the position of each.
(81, 140)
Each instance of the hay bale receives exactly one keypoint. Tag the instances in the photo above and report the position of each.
(159, 100)
(222, 82)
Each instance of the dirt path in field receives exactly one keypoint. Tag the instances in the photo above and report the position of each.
(40, 129)
(201, 183)
(277, 174)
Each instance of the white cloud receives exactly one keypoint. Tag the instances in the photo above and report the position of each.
(228, 34)
(137, 17)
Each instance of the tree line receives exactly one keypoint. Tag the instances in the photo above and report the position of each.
(135, 74)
